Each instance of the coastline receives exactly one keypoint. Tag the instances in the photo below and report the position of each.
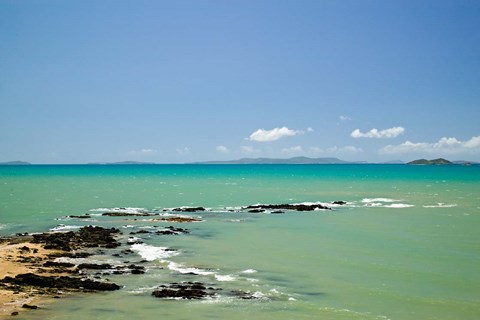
(32, 274)
(13, 257)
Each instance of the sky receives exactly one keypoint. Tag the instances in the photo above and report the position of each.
(182, 81)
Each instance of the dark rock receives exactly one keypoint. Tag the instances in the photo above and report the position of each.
(189, 209)
(256, 210)
(94, 266)
(184, 290)
(85, 237)
(137, 271)
(277, 212)
(27, 306)
(244, 295)
(85, 216)
(292, 207)
(181, 219)
(14, 313)
(58, 264)
(172, 230)
(341, 203)
(62, 282)
(127, 214)
(24, 249)
(140, 232)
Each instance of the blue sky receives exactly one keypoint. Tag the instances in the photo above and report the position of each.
(179, 81)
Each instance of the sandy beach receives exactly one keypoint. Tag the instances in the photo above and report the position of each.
(20, 258)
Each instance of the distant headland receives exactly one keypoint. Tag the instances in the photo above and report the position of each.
(294, 160)
(439, 161)
(15, 163)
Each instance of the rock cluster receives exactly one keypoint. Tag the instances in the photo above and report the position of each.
(86, 237)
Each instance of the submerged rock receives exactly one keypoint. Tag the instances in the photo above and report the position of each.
(173, 231)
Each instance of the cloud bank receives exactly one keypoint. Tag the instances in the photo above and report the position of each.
(262, 135)
(382, 134)
(443, 146)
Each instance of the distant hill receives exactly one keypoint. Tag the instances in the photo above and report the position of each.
(294, 160)
(121, 162)
(430, 162)
(14, 163)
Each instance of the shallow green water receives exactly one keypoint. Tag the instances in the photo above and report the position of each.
(406, 246)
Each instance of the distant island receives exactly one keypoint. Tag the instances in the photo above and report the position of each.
(439, 161)
(294, 160)
(121, 162)
(14, 163)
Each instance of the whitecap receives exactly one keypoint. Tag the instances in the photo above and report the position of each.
(64, 228)
(151, 253)
(441, 205)
(184, 270)
(127, 210)
(249, 271)
(225, 277)
(371, 200)
(399, 205)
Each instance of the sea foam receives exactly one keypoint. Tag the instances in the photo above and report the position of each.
(441, 205)
(151, 253)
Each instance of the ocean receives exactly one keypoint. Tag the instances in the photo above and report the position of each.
(406, 245)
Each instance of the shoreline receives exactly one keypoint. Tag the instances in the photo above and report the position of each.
(31, 275)
(13, 257)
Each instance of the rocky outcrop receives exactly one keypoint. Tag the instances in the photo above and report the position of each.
(86, 237)
(184, 290)
(62, 282)
(189, 209)
(291, 207)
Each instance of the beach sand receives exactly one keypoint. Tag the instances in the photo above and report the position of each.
(16, 259)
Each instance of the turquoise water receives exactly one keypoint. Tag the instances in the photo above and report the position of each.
(407, 245)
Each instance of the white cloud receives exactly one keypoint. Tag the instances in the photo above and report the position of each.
(183, 151)
(443, 146)
(142, 152)
(310, 129)
(262, 135)
(293, 150)
(345, 118)
(222, 149)
(248, 150)
(374, 133)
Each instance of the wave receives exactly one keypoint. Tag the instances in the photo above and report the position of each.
(151, 253)
(373, 200)
(249, 271)
(399, 205)
(385, 203)
(127, 210)
(64, 228)
(441, 205)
